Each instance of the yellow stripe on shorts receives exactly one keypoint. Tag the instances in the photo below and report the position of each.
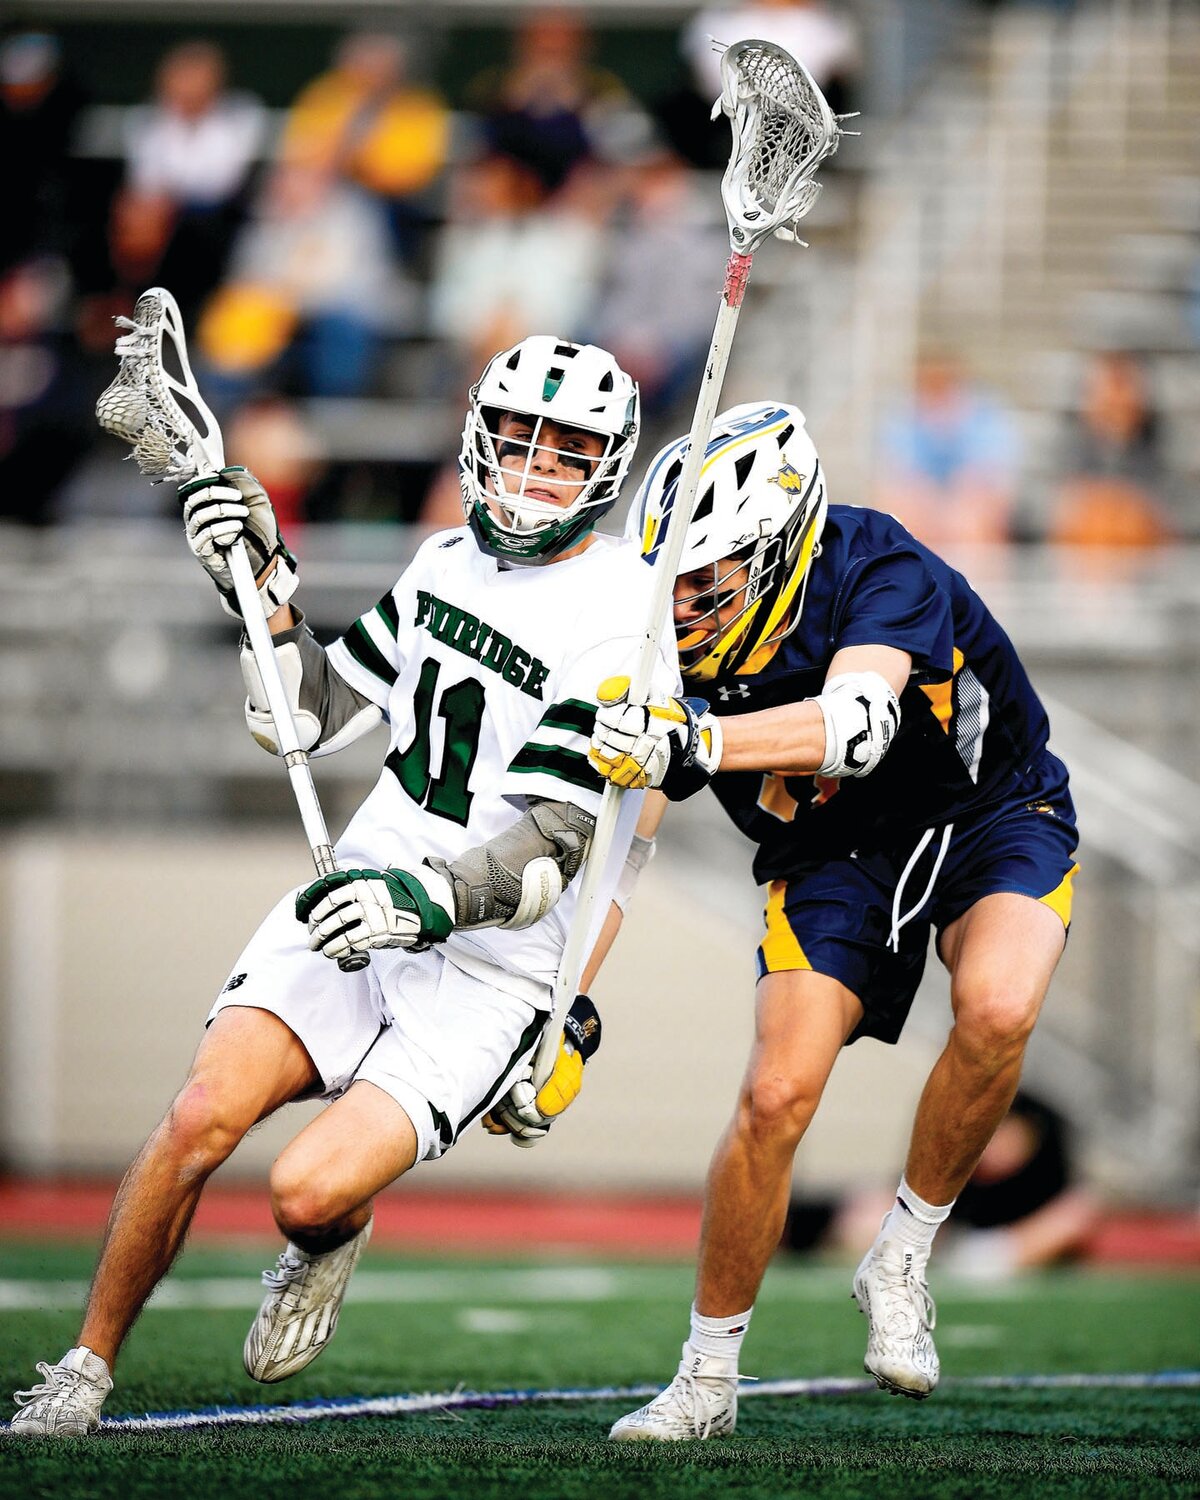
(1059, 899)
(780, 949)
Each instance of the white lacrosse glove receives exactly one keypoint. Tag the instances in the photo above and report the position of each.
(670, 743)
(526, 1113)
(350, 911)
(218, 510)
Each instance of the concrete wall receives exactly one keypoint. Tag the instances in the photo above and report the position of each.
(111, 949)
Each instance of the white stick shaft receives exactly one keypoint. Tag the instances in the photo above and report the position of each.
(666, 567)
(294, 757)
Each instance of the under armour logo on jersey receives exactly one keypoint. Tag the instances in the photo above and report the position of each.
(740, 690)
(233, 982)
(451, 541)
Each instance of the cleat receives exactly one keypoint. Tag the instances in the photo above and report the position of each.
(889, 1287)
(68, 1401)
(299, 1314)
(701, 1402)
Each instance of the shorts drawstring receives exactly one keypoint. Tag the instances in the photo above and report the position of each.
(898, 921)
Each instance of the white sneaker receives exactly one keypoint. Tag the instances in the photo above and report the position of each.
(299, 1314)
(68, 1402)
(889, 1287)
(701, 1402)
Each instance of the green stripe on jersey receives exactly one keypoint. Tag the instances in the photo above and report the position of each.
(563, 765)
(367, 654)
(571, 713)
(387, 611)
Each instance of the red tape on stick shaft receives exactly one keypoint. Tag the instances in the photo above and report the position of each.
(737, 273)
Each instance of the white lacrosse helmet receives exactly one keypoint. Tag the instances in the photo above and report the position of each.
(542, 379)
(760, 510)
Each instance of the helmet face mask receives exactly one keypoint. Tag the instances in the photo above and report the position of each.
(549, 437)
(714, 600)
(753, 535)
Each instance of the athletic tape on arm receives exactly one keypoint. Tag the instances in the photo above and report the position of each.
(328, 713)
(641, 852)
(516, 878)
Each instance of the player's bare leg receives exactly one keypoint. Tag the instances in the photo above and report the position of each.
(248, 1064)
(750, 1177)
(746, 1198)
(322, 1185)
(1001, 955)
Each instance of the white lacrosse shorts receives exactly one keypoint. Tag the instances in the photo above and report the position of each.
(444, 1043)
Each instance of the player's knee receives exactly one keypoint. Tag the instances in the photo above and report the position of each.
(201, 1128)
(993, 1022)
(303, 1205)
(777, 1109)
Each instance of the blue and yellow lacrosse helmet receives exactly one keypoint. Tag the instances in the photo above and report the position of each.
(754, 532)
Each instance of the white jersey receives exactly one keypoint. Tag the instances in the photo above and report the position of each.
(487, 679)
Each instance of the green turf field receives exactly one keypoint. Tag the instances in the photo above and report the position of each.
(420, 1326)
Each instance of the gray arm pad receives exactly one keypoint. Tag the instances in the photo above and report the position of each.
(327, 711)
(514, 879)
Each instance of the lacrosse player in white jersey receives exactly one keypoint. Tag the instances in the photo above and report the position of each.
(454, 873)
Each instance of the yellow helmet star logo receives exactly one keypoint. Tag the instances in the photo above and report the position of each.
(790, 479)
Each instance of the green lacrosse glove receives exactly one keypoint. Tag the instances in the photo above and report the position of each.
(351, 911)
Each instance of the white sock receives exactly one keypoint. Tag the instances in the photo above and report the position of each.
(912, 1221)
(718, 1338)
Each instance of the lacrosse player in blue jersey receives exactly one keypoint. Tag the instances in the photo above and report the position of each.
(456, 871)
(872, 731)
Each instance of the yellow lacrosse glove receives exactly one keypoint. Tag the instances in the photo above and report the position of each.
(671, 743)
(525, 1113)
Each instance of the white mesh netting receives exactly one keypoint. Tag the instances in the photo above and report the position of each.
(783, 129)
(136, 407)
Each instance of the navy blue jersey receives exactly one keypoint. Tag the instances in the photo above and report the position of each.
(971, 725)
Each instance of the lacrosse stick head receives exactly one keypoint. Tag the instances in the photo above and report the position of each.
(153, 404)
(782, 130)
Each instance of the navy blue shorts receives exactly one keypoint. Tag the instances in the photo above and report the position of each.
(837, 918)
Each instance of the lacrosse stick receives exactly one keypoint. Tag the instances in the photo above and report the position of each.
(782, 130)
(174, 436)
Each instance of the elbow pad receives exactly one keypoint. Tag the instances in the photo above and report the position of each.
(861, 715)
(258, 716)
(514, 879)
(328, 714)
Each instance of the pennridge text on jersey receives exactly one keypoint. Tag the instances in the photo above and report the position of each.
(481, 642)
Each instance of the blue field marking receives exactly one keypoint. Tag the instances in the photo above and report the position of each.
(393, 1406)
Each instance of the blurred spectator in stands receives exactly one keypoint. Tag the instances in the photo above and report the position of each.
(1112, 496)
(46, 421)
(189, 156)
(657, 302)
(269, 437)
(308, 293)
(949, 460)
(549, 108)
(365, 119)
(39, 108)
(506, 264)
(822, 36)
(1021, 1210)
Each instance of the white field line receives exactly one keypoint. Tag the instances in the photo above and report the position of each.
(473, 1285)
(469, 1285)
(391, 1406)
